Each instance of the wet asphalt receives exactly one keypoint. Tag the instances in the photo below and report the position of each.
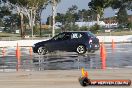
(117, 58)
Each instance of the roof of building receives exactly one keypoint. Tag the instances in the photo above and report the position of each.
(80, 24)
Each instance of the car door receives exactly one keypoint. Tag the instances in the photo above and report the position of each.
(66, 41)
(57, 42)
(75, 40)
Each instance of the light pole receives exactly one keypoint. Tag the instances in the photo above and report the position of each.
(98, 17)
(31, 22)
(53, 17)
(22, 30)
(130, 23)
(89, 23)
(116, 18)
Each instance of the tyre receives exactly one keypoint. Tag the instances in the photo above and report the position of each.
(42, 50)
(81, 49)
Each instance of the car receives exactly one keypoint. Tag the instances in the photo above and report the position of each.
(79, 42)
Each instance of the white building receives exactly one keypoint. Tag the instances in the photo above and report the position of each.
(89, 24)
(112, 25)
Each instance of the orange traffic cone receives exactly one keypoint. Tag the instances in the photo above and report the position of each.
(31, 52)
(18, 53)
(3, 51)
(3, 54)
(103, 56)
(18, 56)
(113, 44)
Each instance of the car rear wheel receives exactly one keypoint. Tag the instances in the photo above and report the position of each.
(42, 50)
(81, 49)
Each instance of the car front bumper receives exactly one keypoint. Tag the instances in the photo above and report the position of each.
(35, 49)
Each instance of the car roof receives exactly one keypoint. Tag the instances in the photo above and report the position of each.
(76, 32)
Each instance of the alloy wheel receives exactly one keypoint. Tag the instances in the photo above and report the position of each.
(81, 49)
(42, 50)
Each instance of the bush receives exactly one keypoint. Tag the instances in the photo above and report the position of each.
(95, 28)
(71, 27)
(84, 28)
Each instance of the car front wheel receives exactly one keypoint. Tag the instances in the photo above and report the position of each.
(81, 49)
(42, 50)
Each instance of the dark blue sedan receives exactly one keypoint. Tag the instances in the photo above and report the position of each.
(79, 42)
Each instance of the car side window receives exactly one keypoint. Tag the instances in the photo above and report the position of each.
(58, 37)
(66, 37)
(62, 37)
(76, 35)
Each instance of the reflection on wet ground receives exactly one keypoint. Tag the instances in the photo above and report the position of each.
(120, 57)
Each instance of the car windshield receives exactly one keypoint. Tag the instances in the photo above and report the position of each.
(90, 34)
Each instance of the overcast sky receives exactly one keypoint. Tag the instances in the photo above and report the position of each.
(63, 6)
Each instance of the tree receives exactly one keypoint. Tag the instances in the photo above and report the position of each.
(11, 23)
(98, 6)
(60, 18)
(73, 15)
(3, 1)
(122, 5)
(29, 9)
(38, 16)
(130, 26)
(117, 4)
(122, 16)
(54, 4)
(70, 17)
(82, 13)
(4, 11)
(70, 14)
(86, 15)
(67, 19)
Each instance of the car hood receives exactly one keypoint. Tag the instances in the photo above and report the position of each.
(42, 42)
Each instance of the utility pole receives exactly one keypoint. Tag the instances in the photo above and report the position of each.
(32, 22)
(22, 29)
(53, 16)
(40, 24)
(98, 17)
(130, 23)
